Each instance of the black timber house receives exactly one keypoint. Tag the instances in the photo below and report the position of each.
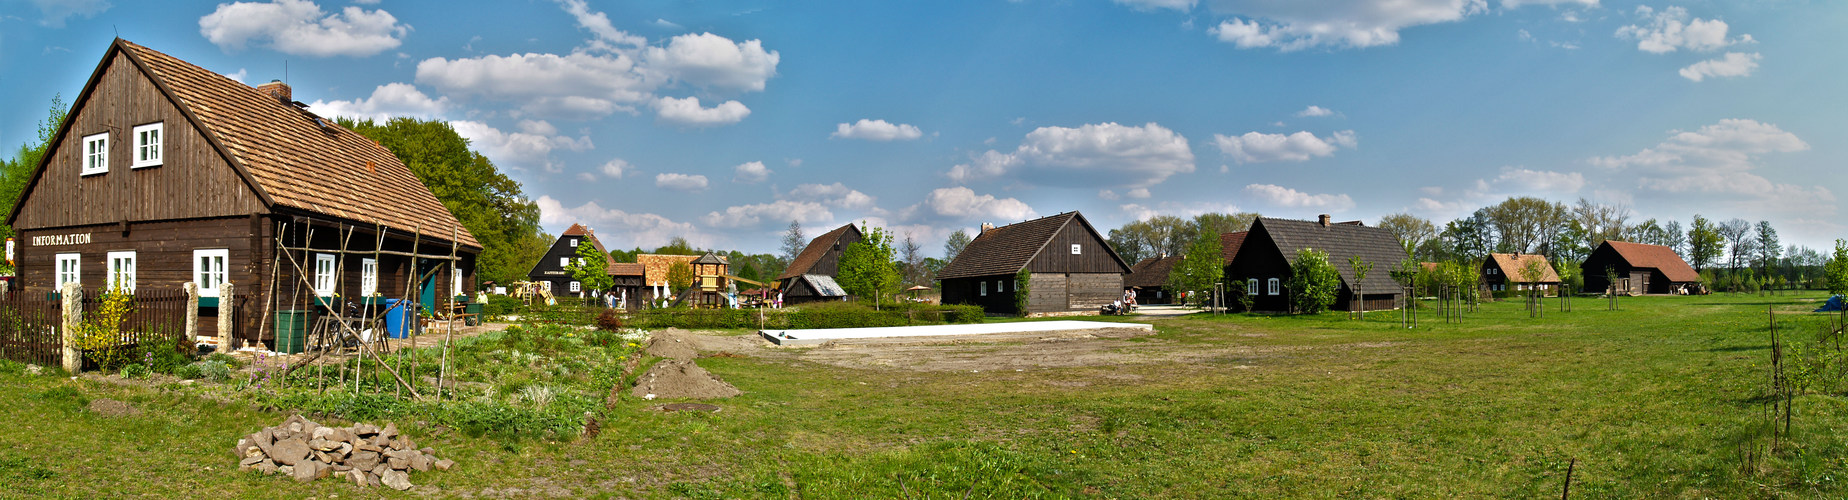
(810, 276)
(1267, 251)
(553, 271)
(1071, 268)
(165, 173)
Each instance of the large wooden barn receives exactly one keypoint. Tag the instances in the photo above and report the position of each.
(1072, 269)
(553, 271)
(166, 173)
(810, 277)
(1267, 251)
(1639, 269)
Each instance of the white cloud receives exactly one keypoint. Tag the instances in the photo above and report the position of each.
(607, 36)
(714, 62)
(1671, 29)
(835, 195)
(681, 182)
(617, 228)
(616, 167)
(519, 149)
(1092, 155)
(299, 27)
(689, 113)
(1289, 198)
(751, 172)
(1733, 64)
(877, 130)
(1256, 147)
(1188, 210)
(1513, 4)
(1108, 194)
(1138, 193)
(961, 203)
(1291, 26)
(1718, 160)
(776, 212)
(58, 11)
(1314, 110)
(1522, 179)
(1149, 5)
(239, 76)
(387, 101)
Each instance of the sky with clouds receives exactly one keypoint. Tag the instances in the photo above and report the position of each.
(721, 121)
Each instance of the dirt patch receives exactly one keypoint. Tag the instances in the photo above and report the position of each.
(676, 379)
(672, 344)
(112, 408)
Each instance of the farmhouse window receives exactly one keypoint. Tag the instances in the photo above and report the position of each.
(1077, 249)
(564, 262)
(368, 277)
(574, 243)
(147, 145)
(68, 265)
(120, 274)
(1251, 286)
(575, 286)
(984, 289)
(1274, 282)
(96, 154)
(1000, 286)
(547, 285)
(209, 270)
(324, 274)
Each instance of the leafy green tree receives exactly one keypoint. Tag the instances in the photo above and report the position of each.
(793, 241)
(868, 268)
(488, 203)
(15, 171)
(1768, 248)
(1360, 267)
(954, 246)
(1313, 281)
(1411, 230)
(680, 276)
(591, 269)
(1837, 269)
(1199, 269)
(677, 246)
(1704, 242)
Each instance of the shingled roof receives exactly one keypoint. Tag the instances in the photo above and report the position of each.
(1229, 243)
(1008, 249)
(1151, 272)
(1658, 257)
(292, 158)
(1340, 240)
(1511, 265)
(812, 253)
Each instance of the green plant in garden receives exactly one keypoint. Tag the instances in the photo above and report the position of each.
(1313, 281)
(680, 276)
(1023, 290)
(1360, 267)
(100, 335)
(591, 268)
(1837, 269)
(869, 267)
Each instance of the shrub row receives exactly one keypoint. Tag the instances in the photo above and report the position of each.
(829, 315)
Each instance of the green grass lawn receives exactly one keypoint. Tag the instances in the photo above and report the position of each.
(1663, 398)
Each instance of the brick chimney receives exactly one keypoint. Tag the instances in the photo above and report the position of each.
(277, 89)
(1323, 219)
(985, 227)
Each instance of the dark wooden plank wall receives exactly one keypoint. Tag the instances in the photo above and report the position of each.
(1093, 255)
(193, 181)
(163, 252)
(830, 262)
(968, 291)
(1258, 258)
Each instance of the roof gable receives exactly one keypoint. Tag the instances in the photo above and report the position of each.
(1008, 249)
(1341, 241)
(816, 249)
(1511, 265)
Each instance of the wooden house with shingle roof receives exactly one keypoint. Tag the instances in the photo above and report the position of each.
(1269, 249)
(1149, 279)
(1071, 267)
(554, 268)
(1639, 269)
(1507, 271)
(166, 173)
(810, 276)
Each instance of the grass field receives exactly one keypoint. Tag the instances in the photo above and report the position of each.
(1663, 398)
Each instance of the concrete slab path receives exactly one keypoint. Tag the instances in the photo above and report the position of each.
(819, 336)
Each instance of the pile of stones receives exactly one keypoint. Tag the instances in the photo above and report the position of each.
(364, 454)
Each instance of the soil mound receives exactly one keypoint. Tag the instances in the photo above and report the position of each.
(672, 344)
(676, 379)
(113, 408)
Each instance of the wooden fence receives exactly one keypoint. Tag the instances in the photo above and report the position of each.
(31, 323)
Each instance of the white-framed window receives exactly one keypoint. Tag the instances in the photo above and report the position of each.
(121, 271)
(96, 153)
(575, 287)
(368, 277)
(68, 266)
(209, 270)
(1275, 284)
(455, 280)
(1000, 286)
(1251, 286)
(324, 274)
(147, 145)
(574, 243)
(1077, 249)
(546, 285)
(564, 262)
(984, 289)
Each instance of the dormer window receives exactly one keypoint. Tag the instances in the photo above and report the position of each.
(148, 143)
(574, 243)
(96, 154)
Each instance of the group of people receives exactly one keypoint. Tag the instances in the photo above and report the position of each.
(1123, 305)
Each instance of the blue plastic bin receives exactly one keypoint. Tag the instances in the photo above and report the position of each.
(400, 321)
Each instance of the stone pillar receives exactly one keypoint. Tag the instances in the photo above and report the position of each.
(72, 294)
(192, 311)
(227, 310)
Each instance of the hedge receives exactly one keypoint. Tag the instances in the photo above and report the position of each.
(840, 315)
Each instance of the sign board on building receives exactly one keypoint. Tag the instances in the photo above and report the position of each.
(61, 239)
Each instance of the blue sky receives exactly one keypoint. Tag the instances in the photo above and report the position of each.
(721, 121)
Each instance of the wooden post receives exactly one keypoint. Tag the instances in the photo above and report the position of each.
(227, 310)
(72, 294)
(191, 330)
(442, 367)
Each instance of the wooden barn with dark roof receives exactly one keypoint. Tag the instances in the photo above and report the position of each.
(1269, 249)
(1640, 269)
(1072, 268)
(810, 277)
(554, 268)
(166, 173)
(1149, 280)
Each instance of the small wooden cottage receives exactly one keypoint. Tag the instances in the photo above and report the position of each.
(166, 173)
(1149, 280)
(553, 271)
(1507, 271)
(1269, 249)
(810, 277)
(1639, 269)
(1071, 268)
